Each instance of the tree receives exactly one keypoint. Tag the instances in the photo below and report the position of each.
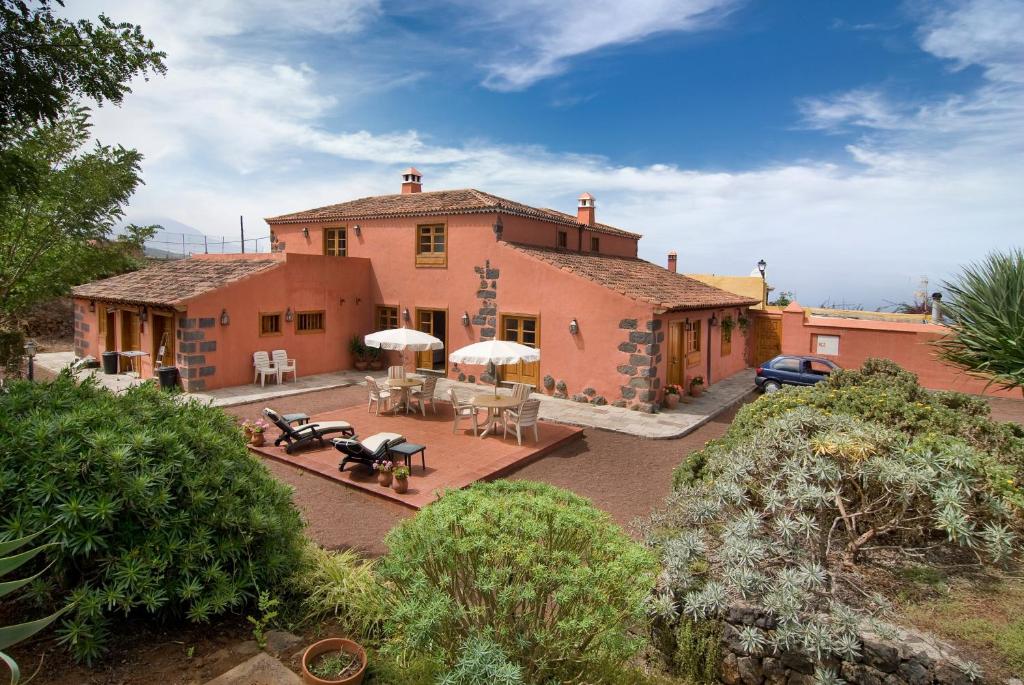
(784, 298)
(986, 312)
(56, 233)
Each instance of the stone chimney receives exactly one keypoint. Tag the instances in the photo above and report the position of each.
(673, 260)
(936, 307)
(585, 211)
(412, 181)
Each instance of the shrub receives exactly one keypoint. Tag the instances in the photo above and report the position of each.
(785, 517)
(154, 504)
(482, 661)
(536, 570)
(698, 651)
(341, 587)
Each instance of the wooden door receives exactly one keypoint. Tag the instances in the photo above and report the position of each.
(676, 336)
(524, 330)
(434, 322)
(163, 337)
(767, 338)
(110, 321)
(129, 337)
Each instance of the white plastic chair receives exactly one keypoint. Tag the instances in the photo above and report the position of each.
(521, 392)
(425, 394)
(525, 417)
(284, 365)
(263, 367)
(396, 373)
(377, 396)
(463, 410)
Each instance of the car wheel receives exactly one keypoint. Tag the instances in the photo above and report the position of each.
(771, 386)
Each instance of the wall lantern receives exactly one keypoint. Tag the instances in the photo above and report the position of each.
(405, 314)
(92, 305)
(342, 302)
(713, 321)
(288, 316)
(359, 300)
(498, 228)
(305, 231)
(358, 229)
(574, 327)
(224, 318)
(465, 318)
(144, 314)
(761, 266)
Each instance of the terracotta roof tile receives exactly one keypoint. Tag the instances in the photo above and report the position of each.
(638, 279)
(435, 203)
(172, 282)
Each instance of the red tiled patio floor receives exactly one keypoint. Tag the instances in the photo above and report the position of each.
(453, 460)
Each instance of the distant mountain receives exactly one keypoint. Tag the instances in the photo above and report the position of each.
(176, 237)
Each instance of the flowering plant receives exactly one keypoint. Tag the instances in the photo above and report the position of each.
(401, 472)
(247, 426)
(696, 380)
(383, 465)
(673, 390)
(258, 426)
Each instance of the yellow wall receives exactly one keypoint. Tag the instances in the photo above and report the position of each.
(747, 286)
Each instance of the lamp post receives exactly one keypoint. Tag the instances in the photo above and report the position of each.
(30, 352)
(761, 266)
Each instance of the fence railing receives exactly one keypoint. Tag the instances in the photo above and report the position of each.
(171, 245)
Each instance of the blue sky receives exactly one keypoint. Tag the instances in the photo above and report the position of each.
(855, 146)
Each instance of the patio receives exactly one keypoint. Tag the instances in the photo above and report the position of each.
(453, 460)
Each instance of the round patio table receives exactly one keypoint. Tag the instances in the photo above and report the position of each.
(404, 385)
(495, 406)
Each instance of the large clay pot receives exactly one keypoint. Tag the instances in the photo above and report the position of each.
(361, 365)
(401, 485)
(257, 439)
(671, 400)
(333, 644)
(384, 478)
(696, 390)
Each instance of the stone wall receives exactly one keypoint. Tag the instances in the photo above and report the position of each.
(913, 659)
(641, 348)
(193, 367)
(81, 331)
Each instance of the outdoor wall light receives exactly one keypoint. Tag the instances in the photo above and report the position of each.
(92, 305)
(358, 230)
(405, 314)
(465, 318)
(288, 316)
(144, 314)
(305, 231)
(713, 321)
(574, 327)
(224, 318)
(498, 228)
(342, 302)
(689, 326)
(359, 300)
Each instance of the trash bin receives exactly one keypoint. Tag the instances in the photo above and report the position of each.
(110, 362)
(168, 377)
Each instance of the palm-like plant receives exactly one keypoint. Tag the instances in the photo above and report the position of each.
(986, 309)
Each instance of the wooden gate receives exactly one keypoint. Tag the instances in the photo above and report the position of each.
(767, 337)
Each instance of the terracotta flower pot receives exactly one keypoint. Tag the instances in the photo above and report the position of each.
(361, 365)
(696, 390)
(384, 478)
(333, 644)
(257, 439)
(671, 401)
(401, 485)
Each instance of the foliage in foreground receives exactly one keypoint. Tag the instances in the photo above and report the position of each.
(536, 571)
(986, 309)
(785, 516)
(154, 505)
(341, 587)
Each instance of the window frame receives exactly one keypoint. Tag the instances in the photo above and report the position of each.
(432, 258)
(311, 331)
(280, 324)
(691, 343)
(380, 310)
(595, 243)
(340, 239)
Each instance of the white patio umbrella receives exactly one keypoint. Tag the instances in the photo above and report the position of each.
(497, 352)
(403, 339)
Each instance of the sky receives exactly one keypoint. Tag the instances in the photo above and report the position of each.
(855, 146)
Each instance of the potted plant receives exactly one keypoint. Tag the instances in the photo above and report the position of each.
(383, 467)
(697, 385)
(375, 355)
(401, 474)
(672, 393)
(257, 428)
(358, 351)
(247, 430)
(334, 661)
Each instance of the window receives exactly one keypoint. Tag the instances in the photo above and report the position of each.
(693, 344)
(270, 324)
(335, 242)
(387, 317)
(726, 340)
(563, 240)
(595, 244)
(430, 246)
(787, 364)
(309, 322)
(827, 344)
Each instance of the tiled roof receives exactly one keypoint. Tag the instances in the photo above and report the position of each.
(172, 282)
(638, 279)
(435, 203)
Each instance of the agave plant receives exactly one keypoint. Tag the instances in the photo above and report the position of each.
(9, 561)
(986, 309)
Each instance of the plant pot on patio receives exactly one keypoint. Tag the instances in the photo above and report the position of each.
(383, 469)
(320, 658)
(401, 484)
(257, 439)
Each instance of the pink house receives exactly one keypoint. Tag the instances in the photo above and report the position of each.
(463, 265)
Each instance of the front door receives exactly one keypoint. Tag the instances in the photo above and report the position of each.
(767, 338)
(524, 330)
(434, 322)
(163, 340)
(129, 337)
(676, 352)
(110, 322)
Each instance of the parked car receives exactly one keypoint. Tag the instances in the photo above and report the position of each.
(789, 369)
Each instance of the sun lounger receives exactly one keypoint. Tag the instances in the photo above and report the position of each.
(300, 436)
(366, 452)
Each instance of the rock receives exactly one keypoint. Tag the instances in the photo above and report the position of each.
(751, 670)
(950, 672)
(280, 642)
(879, 654)
(798, 661)
(797, 678)
(914, 673)
(730, 669)
(742, 613)
(774, 671)
(862, 674)
(599, 401)
(621, 404)
(261, 669)
(589, 392)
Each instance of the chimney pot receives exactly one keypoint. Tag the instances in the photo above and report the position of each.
(412, 181)
(585, 210)
(673, 260)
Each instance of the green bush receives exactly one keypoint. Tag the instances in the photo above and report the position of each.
(341, 587)
(154, 504)
(482, 661)
(698, 653)
(536, 570)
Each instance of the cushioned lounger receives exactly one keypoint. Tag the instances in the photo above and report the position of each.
(295, 437)
(373, 448)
